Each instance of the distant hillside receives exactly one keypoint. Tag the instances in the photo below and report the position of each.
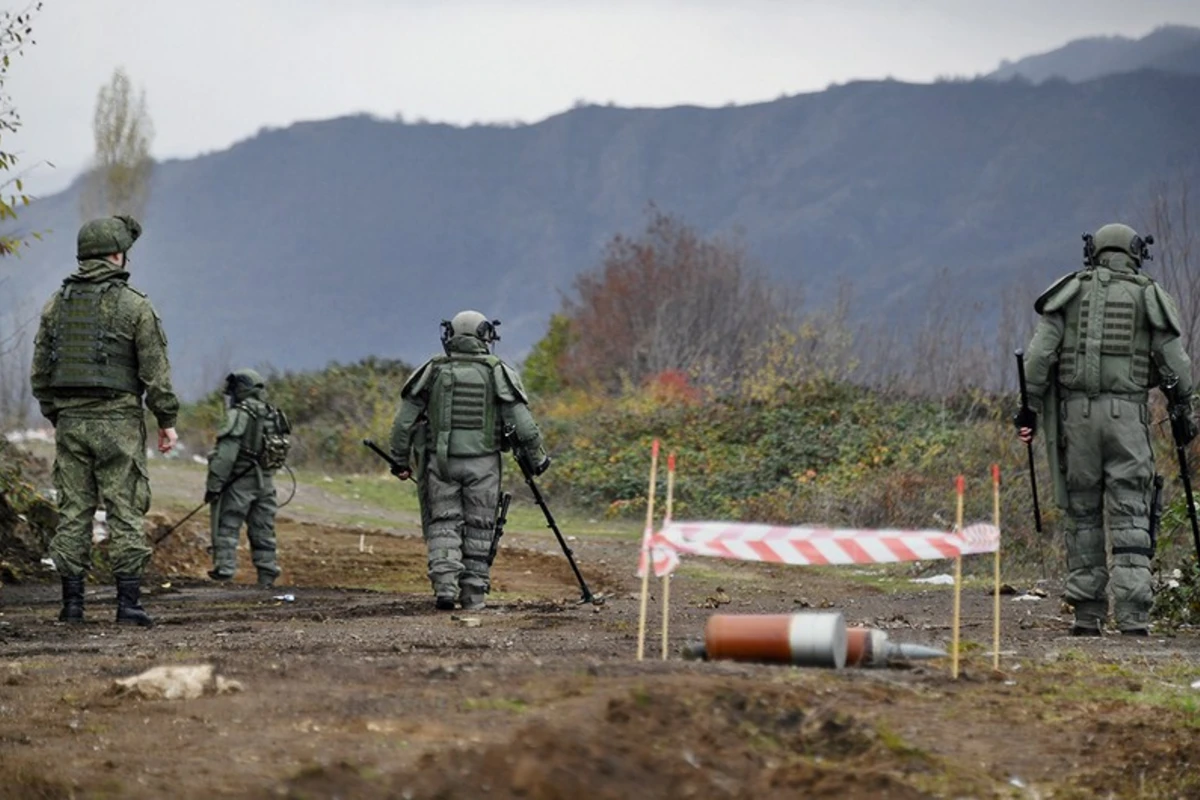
(1172, 48)
(354, 236)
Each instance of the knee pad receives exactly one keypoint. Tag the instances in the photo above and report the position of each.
(1085, 548)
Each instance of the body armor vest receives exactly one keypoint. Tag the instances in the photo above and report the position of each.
(462, 406)
(1106, 341)
(88, 355)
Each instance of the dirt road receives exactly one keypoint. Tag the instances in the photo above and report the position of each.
(357, 688)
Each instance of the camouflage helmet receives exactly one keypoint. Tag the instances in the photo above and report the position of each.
(106, 236)
(471, 323)
(243, 380)
(1123, 239)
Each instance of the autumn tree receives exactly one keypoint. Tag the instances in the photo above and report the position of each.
(119, 181)
(665, 300)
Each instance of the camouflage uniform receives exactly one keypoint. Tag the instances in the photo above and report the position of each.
(1107, 335)
(100, 347)
(250, 498)
(468, 395)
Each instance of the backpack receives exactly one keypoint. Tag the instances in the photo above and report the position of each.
(270, 442)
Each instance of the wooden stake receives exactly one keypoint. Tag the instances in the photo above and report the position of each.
(641, 648)
(958, 526)
(666, 581)
(996, 569)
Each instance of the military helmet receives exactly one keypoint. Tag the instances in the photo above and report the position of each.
(471, 323)
(1121, 238)
(106, 236)
(243, 380)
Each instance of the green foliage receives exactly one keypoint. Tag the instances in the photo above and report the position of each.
(542, 371)
(1177, 601)
(15, 30)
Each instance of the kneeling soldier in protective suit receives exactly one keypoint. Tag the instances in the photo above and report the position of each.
(251, 446)
(99, 349)
(468, 396)
(1107, 335)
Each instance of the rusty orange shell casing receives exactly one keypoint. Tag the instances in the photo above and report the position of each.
(813, 639)
(866, 647)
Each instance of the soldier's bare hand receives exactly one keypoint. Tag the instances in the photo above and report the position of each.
(403, 474)
(1025, 435)
(167, 439)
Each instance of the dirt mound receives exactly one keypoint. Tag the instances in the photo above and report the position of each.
(698, 738)
(27, 519)
(323, 556)
(184, 551)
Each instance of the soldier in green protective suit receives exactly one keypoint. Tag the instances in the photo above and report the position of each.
(1107, 335)
(468, 396)
(241, 486)
(99, 348)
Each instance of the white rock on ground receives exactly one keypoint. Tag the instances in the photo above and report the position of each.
(183, 682)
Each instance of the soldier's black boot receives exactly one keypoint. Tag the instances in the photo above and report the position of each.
(72, 608)
(129, 605)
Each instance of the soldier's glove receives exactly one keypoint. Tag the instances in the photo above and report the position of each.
(1185, 428)
(210, 496)
(542, 467)
(1025, 418)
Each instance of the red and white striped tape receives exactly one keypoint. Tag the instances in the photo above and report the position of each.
(807, 545)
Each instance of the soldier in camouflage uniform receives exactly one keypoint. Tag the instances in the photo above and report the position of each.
(1107, 335)
(99, 348)
(240, 487)
(468, 396)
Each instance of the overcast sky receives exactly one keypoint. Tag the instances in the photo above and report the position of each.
(216, 71)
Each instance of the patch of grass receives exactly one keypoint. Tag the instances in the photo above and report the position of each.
(717, 571)
(511, 705)
(366, 522)
(1180, 700)
(381, 491)
(399, 584)
(1085, 680)
(758, 739)
(386, 493)
(898, 745)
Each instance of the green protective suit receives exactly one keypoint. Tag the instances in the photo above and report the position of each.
(250, 498)
(468, 395)
(418, 462)
(1107, 335)
(100, 347)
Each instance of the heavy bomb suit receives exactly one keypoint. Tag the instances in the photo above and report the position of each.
(1106, 336)
(240, 487)
(468, 397)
